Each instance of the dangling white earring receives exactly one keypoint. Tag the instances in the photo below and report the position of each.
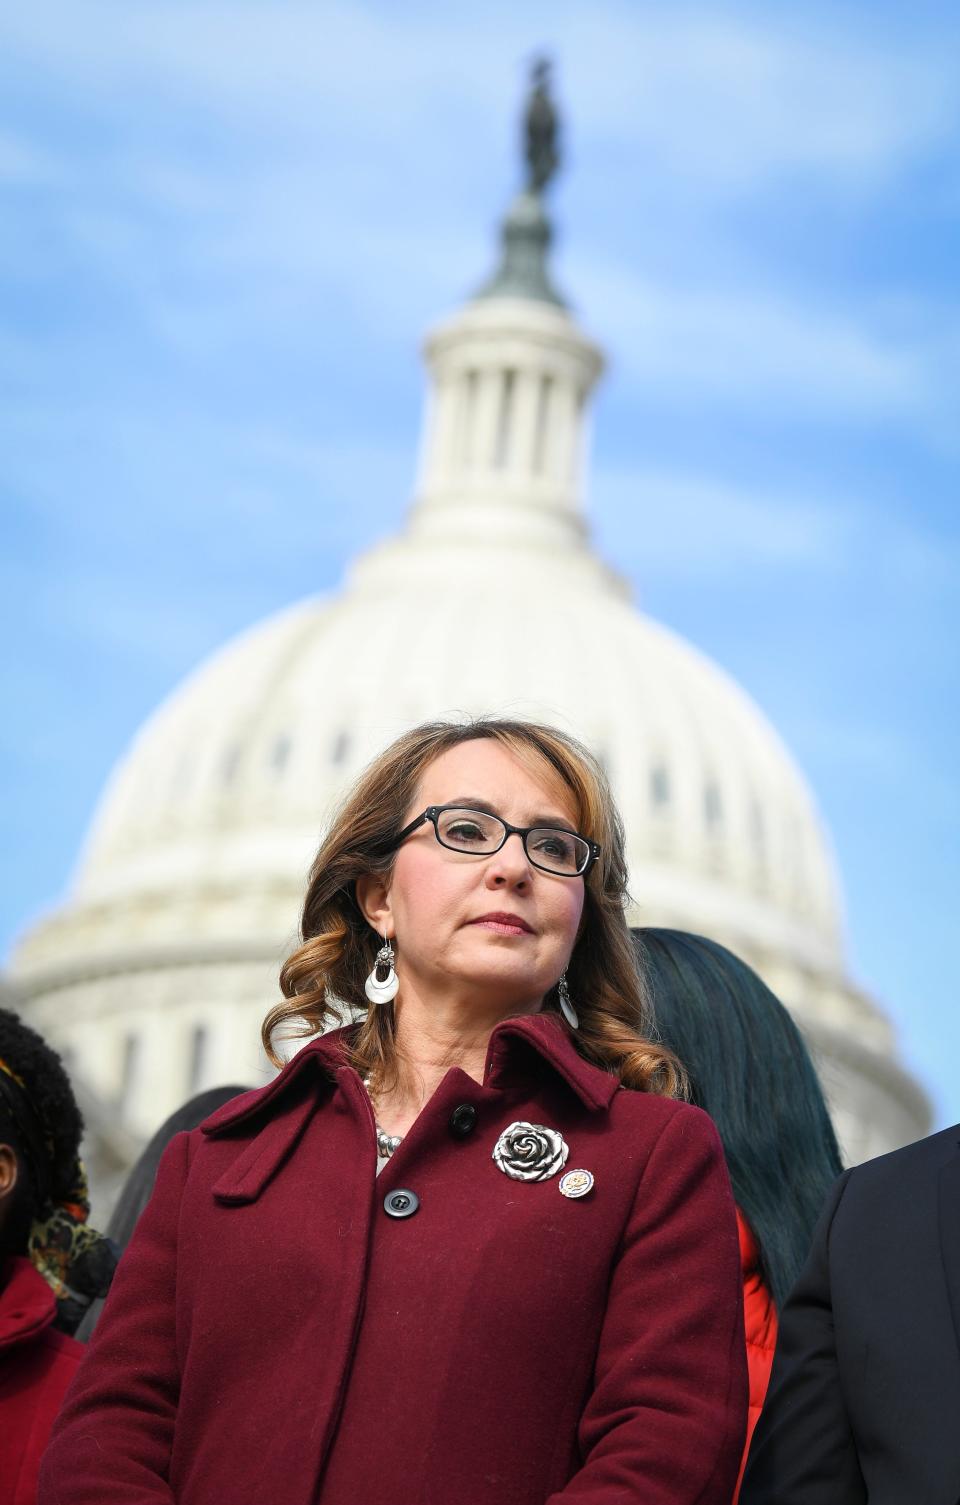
(566, 1003)
(383, 983)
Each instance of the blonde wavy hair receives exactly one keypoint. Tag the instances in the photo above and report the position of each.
(338, 947)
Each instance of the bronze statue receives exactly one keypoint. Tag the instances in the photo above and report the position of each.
(540, 127)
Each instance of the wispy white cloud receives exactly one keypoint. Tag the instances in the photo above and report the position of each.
(733, 94)
(737, 99)
(766, 350)
(207, 477)
(683, 528)
(272, 261)
(692, 528)
(277, 162)
(895, 758)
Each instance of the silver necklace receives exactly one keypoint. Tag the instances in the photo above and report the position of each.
(386, 1143)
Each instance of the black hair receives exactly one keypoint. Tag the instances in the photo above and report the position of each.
(751, 1071)
(40, 1121)
(138, 1187)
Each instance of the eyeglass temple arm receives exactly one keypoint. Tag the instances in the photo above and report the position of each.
(408, 830)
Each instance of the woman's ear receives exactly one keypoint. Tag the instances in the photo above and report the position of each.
(8, 1171)
(373, 898)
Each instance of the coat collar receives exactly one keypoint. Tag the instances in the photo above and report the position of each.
(550, 1040)
(541, 1034)
(27, 1303)
(949, 1209)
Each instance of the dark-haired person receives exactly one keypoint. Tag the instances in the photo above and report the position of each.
(51, 1262)
(865, 1396)
(750, 1070)
(470, 1249)
(138, 1187)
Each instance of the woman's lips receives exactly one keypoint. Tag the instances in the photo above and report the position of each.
(504, 924)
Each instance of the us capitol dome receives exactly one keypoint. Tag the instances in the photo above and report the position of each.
(156, 972)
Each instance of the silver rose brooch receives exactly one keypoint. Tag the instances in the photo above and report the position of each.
(530, 1152)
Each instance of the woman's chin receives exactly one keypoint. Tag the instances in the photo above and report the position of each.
(503, 988)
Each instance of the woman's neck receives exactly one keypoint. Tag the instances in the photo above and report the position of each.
(429, 1042)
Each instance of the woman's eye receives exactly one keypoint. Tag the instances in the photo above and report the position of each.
(464, 831)
(554, 846)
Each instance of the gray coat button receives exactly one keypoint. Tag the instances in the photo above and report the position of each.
(401, 1203)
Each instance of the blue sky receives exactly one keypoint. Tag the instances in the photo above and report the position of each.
(225, 228)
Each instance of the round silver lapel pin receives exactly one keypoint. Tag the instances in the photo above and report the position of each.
(576, 1183)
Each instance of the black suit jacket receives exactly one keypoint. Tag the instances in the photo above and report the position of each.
(864, 1400)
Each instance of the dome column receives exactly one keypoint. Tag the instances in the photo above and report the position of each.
(523, 456)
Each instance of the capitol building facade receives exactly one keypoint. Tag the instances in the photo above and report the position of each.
(156, 972)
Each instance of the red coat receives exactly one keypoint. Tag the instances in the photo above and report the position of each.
(36, 1366)
(274, 1335)
(760, 1324)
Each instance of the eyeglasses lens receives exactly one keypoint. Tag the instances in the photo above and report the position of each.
(469, 830)
(557, 851)
(474, 831)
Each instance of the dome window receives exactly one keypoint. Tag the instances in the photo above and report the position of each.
(542, 422)
(758, 831)
(798, 864)
(501, 454)
(340, 750)
(199, 1054)
(130, 1074)
(712, 807)
(659, 786)
(230, 764)
(467, 418)
(280, 753)
(183, 772)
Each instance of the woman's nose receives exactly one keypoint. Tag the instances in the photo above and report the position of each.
(510, 865)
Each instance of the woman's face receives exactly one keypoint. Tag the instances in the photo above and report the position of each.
(442, 906)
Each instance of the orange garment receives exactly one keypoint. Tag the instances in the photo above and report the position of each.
(760, 1325)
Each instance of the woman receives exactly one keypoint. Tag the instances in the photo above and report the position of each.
(750, 1070)
(535, 1296)
(51, 1261)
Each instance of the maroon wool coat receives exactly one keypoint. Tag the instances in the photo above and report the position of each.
(37, 1364)
(273, 1335)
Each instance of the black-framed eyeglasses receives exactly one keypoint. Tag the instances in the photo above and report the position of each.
(478, 833)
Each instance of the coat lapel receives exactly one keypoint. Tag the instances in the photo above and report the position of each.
(949, 1210)
(245, 1179)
